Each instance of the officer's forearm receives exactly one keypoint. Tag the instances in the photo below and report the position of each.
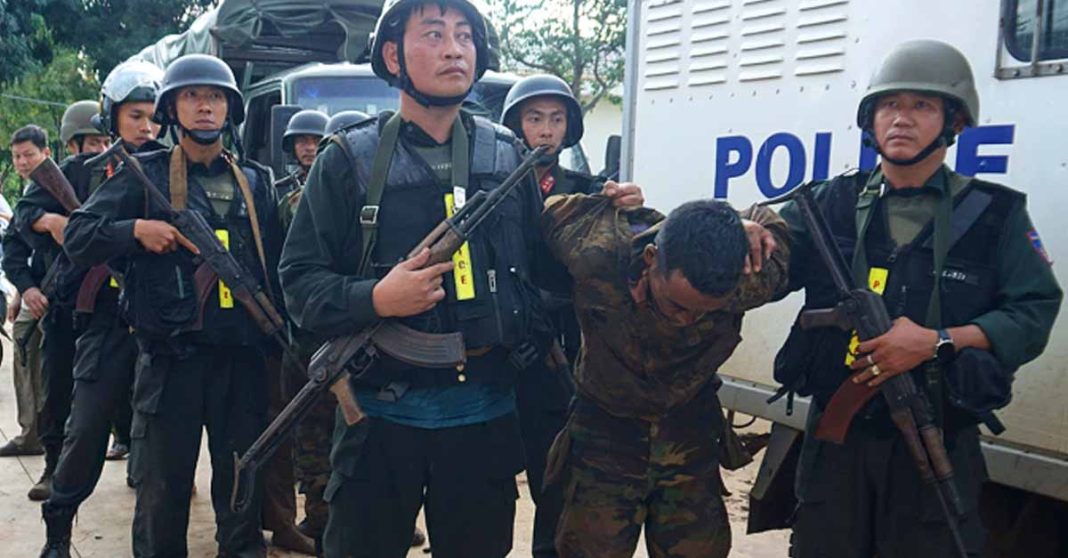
(969, 336)
(46, 222)
(92, 239)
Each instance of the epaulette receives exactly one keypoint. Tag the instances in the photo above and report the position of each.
(999, 187)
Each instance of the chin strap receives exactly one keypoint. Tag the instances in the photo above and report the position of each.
(947, 138)
(203, 137)
(209, 137)
(404, 83)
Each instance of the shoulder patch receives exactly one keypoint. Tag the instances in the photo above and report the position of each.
(1037, 246)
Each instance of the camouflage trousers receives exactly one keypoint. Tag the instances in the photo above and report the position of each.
(623, 474)
(311, 451)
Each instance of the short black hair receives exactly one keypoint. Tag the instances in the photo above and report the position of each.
(31, 132)
(706, 241)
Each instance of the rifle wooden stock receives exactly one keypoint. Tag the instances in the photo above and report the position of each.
(48, 176)
(846, 402)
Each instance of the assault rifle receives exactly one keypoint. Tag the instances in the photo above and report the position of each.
(861, 310)
(48, 176)
(244, 286)
(349, 356)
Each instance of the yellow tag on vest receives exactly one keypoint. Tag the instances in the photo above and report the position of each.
(113, 283)
(462, 272)
(877, 277)
(226, 298)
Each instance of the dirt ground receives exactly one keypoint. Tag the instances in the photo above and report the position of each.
(103, 524)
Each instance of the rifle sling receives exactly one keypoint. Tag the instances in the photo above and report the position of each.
(179, 191)
(387, 145)
(179, 181)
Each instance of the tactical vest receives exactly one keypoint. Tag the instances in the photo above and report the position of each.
(174, 293)
(94, 290)
(968, 287)
(497, 318)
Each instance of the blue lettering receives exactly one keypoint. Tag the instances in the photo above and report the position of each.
(821, 159)
(969, 162)
(796, 151)
(868, 155)
(725, 169)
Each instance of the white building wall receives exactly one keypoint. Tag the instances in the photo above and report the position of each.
(604, 120)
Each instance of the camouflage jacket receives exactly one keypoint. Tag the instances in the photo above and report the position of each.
(633, 362)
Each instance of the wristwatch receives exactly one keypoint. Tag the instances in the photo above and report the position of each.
(945, 350)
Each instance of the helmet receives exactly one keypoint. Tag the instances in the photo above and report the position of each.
(78, 121)
(303, 123)
(131, 81)
(344, 119)
(198, 69)
(926, 66)
(390, 27)
(542, 85)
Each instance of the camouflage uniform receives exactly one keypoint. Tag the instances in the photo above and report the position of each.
(634, 452)
(314, 433)
(312, 448)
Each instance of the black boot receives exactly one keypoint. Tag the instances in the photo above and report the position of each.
(42, 490)
(57, 529)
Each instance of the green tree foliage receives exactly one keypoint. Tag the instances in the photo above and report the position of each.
(40, 97)
(24, 39)
(110, 31)
(580, 41)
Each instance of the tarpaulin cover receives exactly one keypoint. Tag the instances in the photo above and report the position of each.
(320, 30)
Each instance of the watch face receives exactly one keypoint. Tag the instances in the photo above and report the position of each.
(945, 350)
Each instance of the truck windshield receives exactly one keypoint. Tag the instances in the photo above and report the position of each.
(372, 95)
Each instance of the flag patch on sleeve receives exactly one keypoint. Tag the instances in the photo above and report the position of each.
(1036, 244)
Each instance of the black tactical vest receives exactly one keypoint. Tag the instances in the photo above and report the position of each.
(175, 293)
(969, 280)
(498, 318)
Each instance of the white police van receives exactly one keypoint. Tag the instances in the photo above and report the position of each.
(746, 99)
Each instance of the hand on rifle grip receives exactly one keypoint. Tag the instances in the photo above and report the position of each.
(410, 288)
(160, 237)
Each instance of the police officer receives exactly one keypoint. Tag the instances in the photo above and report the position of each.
(201, 358)
(344, 119)
(291, 198)
(541, 110)
(42, 231)
(29, 147)
(78, 132)
(106, 351)
(963, 274)
(301, 140)
(438, 438)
